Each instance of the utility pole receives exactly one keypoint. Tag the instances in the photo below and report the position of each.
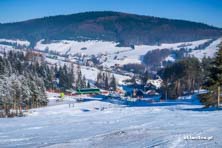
(218, 97)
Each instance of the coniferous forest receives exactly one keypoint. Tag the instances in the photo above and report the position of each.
(24, 80)
(21, 87)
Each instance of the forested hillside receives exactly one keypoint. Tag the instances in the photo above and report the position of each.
(128, 29)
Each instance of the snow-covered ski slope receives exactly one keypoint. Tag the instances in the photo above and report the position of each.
(100, 123)
(123, 55)
(209, 51)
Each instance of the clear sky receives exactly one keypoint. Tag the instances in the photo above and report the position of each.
(206, 11)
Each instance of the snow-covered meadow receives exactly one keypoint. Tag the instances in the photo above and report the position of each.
(17, 42)
(112, 53)
(105, 47)
(123, 55)
(97, 122)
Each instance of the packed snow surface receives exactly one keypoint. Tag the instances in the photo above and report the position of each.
(97, 122)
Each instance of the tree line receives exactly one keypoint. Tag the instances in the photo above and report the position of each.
(190, 74)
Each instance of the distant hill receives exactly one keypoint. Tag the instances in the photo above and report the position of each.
(128, 29)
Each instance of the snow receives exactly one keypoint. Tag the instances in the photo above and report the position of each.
(91, 74)
(93, 46)
(170, 58)
(100, 123)
(18, 42)
(209, 51)
(156, 82)
(7, 48)
(110, 50)
(124, 55)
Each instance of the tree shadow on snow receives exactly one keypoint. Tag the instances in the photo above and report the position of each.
(203, 109)
(85, 110)
(143, 103)
(156, 104)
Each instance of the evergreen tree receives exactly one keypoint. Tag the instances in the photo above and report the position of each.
(84, 84)
(184, 75)
(214, 80)
(99, 79)
(79, 78)
(113, 83)
(106, 82)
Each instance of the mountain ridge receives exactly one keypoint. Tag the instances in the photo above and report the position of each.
(126, 13)
(127, 29)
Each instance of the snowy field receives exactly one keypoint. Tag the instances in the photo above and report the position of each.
(120, 55)
(102, 123)
(105, 47)
(17, 42)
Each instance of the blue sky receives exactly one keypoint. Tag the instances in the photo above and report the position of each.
(206, 11)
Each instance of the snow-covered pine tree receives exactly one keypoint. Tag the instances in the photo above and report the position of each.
(16, 94)
(6, 98)
(23, 83)
(25, 90)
